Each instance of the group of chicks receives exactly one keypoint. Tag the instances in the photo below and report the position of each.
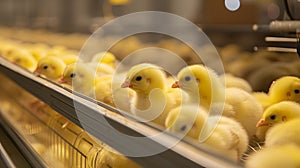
(57, 63)
(220, 112)
(224, 115)
(277, 127)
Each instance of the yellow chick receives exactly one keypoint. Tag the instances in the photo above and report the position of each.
(239, 104)
(22, 58)
(82, 78)
(186, 119)
(276, 114)
(151, 102)
(285, 156)
(228, 135)
(279, 112)
(110, 158)
(85, 80)
(199, 82)
(282, 134)
(50, 67)
(105, 57)
(223, 134)
(284, 88)
(233, 81)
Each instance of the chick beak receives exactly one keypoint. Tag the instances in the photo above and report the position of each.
(262, 122)
(37, 71)
(62, 80)
(127, 84)
(176, 85)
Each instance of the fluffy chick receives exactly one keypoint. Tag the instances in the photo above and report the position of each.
(82, 78)
(187, 119)
(239, 104)
(275, 114)
(282, 134)
(285, 88)
(85, 80)
(279, 112)
(151, 101)
(224, 135)
(22, 58)
(228, 135)
(275, 157)
(50, 67)
(201, 84)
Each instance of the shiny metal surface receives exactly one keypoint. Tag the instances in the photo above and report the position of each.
(6, 157)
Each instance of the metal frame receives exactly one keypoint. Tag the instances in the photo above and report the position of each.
(29, 153)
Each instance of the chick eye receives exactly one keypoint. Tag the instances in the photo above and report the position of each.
(183, 128)
(297, 91)
(187, 78)
(273, 117)
(45, 67)
(138, 78)
(72, 75)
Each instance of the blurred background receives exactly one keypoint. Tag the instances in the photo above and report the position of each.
(80, 15)
(219, 18)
